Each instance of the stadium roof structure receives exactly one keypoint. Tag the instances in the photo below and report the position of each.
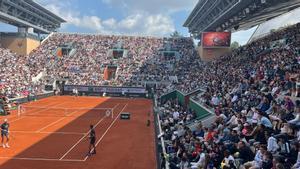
(29, 14)
(233, 15)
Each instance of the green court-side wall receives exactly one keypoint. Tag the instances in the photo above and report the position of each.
(200, 110)
(185, 100)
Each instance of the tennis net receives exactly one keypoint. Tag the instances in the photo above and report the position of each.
(24, 110)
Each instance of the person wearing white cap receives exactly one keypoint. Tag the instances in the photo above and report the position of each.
(4, 133)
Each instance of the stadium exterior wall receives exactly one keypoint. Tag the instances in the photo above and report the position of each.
(21, 45)
(31, 45)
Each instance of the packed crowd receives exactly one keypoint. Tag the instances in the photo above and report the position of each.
(251, 139)
(254, 93)
(268, 70)
(142, 60)
(15, 76)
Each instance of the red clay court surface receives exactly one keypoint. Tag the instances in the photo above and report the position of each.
(47, 142)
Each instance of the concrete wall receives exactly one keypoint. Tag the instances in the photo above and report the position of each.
(32, 44)
(209, 54)
(19, 45)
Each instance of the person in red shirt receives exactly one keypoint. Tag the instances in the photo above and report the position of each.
(210, 135)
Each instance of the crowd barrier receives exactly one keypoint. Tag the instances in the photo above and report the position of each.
(106, 91)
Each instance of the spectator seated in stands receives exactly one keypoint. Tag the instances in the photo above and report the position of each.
(252, 92)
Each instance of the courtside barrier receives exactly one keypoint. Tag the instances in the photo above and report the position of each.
(30, 98)
(106, 91)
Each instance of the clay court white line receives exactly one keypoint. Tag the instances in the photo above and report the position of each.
(80, 140)
(38, 131)
(41, 159)
(112, 123)
(56, 121)
(33, 132)
(18, 117)
(39, 111)
(86, 134)
(78, 108)
(70, 115)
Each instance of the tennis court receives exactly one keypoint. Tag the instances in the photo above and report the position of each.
(52, 133)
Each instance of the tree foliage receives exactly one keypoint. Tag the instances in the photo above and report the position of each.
(176, 34)
(234, 45)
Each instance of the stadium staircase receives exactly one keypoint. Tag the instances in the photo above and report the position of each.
(39, 77)
(47, 37)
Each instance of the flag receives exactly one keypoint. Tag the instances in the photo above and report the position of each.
(59, 52)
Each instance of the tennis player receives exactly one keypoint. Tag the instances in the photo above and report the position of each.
(75, 92)
(92, 138)
(5, 133)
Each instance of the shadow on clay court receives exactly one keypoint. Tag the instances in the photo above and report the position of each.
(61, 140)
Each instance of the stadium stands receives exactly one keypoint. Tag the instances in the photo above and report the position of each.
(254, 91)
(86, 66)
(255, 95)
(16, 78)
(90, 55)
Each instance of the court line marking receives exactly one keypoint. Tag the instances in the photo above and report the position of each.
(38, 111)
(61, 159)
(80, 140)
(14, 117)
(56, 122)
(42, 159)
(33, 132)
(70, 115)
(85, 135)
(109, 127)
(78, 108)
(61, 119)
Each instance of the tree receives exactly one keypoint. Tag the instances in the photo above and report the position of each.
(234, 45)
(176, 34)
(272, 30)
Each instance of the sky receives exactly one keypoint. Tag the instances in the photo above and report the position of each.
(135, 17)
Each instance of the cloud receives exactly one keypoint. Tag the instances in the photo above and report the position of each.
(159, 24)
(138, 23)
(131, 21)
(153, 6)
(141, 24)
(110, 23)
